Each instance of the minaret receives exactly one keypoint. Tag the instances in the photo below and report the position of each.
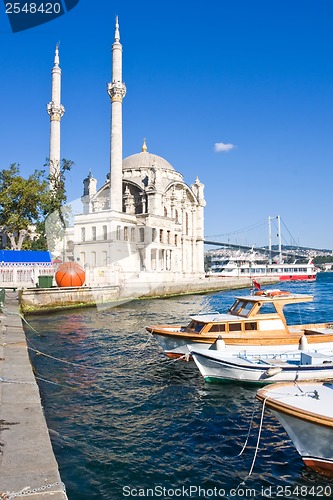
(56, 111)
(116, 91)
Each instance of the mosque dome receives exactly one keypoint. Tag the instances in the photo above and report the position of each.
(145, 159)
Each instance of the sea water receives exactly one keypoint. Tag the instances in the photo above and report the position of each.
(127, 422)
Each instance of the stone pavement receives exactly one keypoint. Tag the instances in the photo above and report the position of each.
(27, 464)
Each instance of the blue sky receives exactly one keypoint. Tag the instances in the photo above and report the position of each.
(255, 76)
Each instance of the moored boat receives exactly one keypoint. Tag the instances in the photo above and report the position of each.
(253, 323)
(263, 368)
(305, 410)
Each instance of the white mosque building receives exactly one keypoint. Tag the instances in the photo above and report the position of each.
(144, 224)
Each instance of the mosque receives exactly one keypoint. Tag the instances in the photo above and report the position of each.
(144, 224)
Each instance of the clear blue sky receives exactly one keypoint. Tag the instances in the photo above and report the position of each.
(255, 75)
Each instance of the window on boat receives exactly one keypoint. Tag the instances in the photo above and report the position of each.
(217, 328)
(235, 327)
(195, 326)
(251, 325)
(241, 308)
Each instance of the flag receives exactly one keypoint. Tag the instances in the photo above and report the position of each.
(256, 284)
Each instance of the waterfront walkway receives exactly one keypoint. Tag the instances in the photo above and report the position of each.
(27, 463)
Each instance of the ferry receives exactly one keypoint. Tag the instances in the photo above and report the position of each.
(243, 266)
(253, 264)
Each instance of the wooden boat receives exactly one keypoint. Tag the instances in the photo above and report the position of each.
(219, 365)
(254, 322)
(305, 411)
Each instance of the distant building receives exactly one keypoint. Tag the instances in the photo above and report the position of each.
(22, 268)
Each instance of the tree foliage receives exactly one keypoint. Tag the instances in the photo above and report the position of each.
(26, 204)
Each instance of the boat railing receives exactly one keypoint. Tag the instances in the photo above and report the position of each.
(204, 313)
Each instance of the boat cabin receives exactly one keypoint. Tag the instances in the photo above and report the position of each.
(261, 312)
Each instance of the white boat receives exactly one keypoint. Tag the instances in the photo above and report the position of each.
(305, 410)
(262, 368)
(246, 266)
(255, 265)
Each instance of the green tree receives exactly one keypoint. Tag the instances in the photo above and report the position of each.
(56, 214)
(21, 203)
(26, 204)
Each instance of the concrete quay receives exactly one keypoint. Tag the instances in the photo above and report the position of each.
(48, 300)
(27, 464)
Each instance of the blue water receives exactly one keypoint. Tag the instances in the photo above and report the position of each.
(126, 422)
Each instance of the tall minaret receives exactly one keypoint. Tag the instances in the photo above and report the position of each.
(117, 91)
(56, 111)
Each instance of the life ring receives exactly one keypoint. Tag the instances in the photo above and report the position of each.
(277, 293)
(261, 292)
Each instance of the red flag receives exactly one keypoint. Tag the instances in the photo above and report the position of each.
(256, 284)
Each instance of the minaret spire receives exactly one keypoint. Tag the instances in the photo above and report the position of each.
(56, 112)
(56, 56)
(117, 34)
(116, 91)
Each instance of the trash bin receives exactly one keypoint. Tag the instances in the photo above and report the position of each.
(45, 281)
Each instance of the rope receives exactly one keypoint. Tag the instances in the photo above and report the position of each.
(248, 433)
(257, 446)
(22, 318)
(9, 381)
(27, 491)
(53, 383)
(258, 441)
(41, 353)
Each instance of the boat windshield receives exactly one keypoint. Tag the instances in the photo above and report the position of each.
(241, 308)
(195, 326)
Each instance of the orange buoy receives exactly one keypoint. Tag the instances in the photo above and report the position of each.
(70, 274)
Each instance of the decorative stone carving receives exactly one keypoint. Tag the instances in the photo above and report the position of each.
(55, 111)
(116, 91)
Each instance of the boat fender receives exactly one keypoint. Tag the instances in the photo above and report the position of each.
(220, 344)
(273, 371)
(303, 344)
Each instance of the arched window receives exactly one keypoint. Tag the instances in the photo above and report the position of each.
(82, 258)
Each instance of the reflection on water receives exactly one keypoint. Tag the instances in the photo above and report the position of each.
(121, 414)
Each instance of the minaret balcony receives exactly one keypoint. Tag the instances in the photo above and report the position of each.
(56, 111)
(116, 91)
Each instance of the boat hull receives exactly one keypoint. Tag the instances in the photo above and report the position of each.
(316, 452)
(175, 344)
(217, 367)
(297, 277)
(306, 414)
